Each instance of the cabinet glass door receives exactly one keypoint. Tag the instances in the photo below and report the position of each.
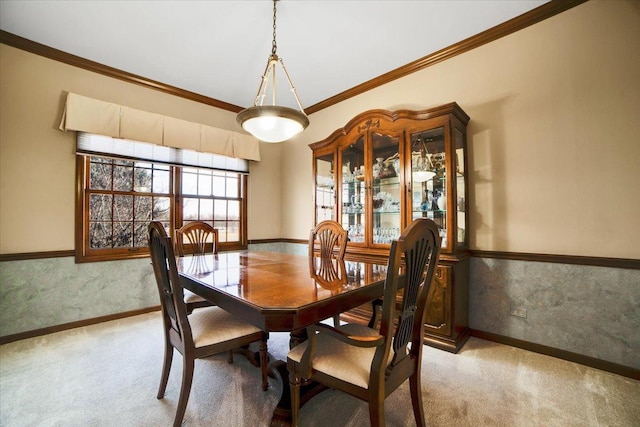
(353, 194)
(461, 202)
(325, 188)
(428, 178)
(385, 188)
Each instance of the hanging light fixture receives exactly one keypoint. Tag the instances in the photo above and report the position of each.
(273, 123)
(423, 168)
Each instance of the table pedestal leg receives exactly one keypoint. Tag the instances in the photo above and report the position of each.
(282, 413)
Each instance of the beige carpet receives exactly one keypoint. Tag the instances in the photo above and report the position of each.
(107, 375)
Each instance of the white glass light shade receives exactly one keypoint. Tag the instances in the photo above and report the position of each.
(423, 175)
(422, 170)
(272, 123)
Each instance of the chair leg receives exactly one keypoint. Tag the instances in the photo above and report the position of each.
(416, 399)
(294, 385)
(230, 356)
(264, 362)
(185, 389)
(166, 368)
(376, 411)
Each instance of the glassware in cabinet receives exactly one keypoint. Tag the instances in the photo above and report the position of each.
(386, 187)
(353, 190)
(325, 188)
(429, 178)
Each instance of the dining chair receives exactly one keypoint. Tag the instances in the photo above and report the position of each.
(328, 240)
(371, 363)
(205, 332)
(196, 238)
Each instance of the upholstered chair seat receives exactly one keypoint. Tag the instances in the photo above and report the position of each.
(213, 325)
(191, 298)
(340, 360)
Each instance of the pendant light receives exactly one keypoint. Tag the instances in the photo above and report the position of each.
(273, 123)
(423, 168)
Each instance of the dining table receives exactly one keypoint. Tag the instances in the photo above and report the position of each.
(281, 292)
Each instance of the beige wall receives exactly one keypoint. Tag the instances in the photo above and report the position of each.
(554, 137)
(37, 161)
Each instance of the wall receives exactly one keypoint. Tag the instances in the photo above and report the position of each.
(37, 161)
(37, 195)
(587, 310)
(554, 159)
(553, 136)
(553, 151)
(39, 293)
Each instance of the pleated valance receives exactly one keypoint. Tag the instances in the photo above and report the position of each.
(105, 118)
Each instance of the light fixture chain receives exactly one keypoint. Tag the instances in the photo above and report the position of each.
(274, 45)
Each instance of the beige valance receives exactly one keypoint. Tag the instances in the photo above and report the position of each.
(105, 118)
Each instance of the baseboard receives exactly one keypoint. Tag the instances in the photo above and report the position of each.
(72, 325)
(603, 365)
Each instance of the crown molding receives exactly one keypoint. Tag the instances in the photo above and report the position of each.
(57, 55)
(534, 16)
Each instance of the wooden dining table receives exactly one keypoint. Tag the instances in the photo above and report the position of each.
(279, 292)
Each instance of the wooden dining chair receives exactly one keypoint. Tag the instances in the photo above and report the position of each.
(328, 240)
(196, 238)
(205, 332)
(369, 363)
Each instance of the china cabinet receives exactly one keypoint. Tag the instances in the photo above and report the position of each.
(384, 169)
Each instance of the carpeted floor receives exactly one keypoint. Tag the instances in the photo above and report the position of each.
(107, 375)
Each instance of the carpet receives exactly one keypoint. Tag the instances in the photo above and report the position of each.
(107, 375)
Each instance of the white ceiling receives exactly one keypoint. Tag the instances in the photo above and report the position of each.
(219, 48)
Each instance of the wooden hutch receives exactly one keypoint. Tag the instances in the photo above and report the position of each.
(384, 169)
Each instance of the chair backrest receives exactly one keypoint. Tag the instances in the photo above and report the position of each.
(199, 235)
(328, 239)
(174, 310)
(415, 255)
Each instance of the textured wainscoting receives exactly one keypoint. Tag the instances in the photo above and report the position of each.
(592, 311)
(40, 293)
(284, 247)
(587, 310)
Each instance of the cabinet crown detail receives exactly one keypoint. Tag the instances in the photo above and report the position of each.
(368, 124)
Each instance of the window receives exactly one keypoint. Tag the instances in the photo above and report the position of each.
(214, 197)
(117, 198)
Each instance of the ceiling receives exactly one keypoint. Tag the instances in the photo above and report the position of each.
(219, 49)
